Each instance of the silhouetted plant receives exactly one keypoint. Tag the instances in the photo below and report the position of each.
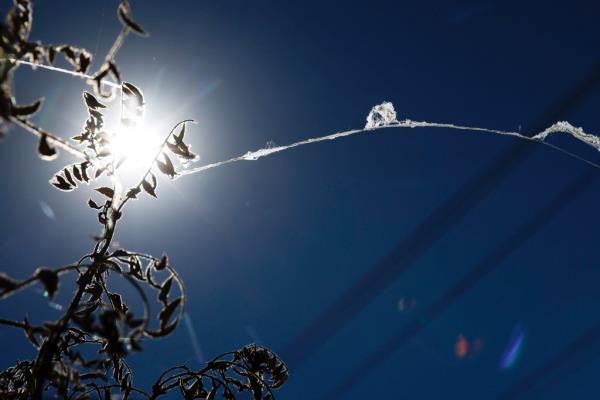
(83, 354)
(15, 48)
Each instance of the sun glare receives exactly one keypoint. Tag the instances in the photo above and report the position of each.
(136, 146)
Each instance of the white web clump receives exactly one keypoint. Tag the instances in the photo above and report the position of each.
(381, 115)
(577, 133)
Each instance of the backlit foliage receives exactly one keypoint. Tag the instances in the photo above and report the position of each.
(83, 354)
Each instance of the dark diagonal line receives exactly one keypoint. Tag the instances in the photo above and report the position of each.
(581, 363)
(487, 265)
(530, 380)
(424, 236)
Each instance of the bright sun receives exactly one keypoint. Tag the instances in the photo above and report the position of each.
(137, 146)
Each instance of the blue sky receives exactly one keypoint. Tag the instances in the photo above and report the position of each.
(338, 255)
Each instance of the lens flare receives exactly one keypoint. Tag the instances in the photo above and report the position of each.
(511, 354)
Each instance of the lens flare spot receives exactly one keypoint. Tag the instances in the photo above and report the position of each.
(464, 348)
(461, 347)
(513, 349)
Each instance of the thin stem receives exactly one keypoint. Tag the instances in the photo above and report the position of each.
(142, 255)
(95, 388)
(33, 279)
(61, 70)
(48, 349)
(112, 53)
(12, 323)
(39, 132)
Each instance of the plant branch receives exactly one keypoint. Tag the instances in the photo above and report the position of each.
(61, 70)
(48, 348)
(112, 53)
(39, 132)
(33, 279)
(12, 323)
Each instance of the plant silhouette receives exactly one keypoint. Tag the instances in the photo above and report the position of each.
(84, 353)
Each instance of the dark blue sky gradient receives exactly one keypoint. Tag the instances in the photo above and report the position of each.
(283, 250)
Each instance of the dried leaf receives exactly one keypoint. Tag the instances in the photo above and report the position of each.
(50, 54)
(179, 138)
(174, 148)
(164, 330)
(61, 183)
(69, 178)
(132, 193)
(163, 295)
(181, 150)
(46, 151)
(117, 302)
(95, 291)
(95, 113)
(93, 204)
(69, 54)
(148, 188)
(130, 89)
(108, 192)
(91, 101)
(77, 173)
(84, 175)
(123, 13)
(162, 263)
(166, 167)
(49, 279)
(26, 111)
(168, 311)
(85, 59)
(80, 138)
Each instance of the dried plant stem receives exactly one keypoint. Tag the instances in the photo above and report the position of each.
(98, 388)
(63, 71)
(117, 44)
(31, 280)
(12, 323)
(49, 346)
(58, 141)
(110, 228)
